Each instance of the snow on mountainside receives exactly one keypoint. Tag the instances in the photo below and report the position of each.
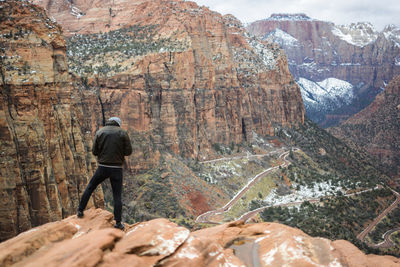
(326, 95)
(282, 38)
(392, 33)
(290, 17)
(317, 50)
(358, 34)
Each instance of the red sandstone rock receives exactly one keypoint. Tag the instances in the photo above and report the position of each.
(216, 88)
(44, 164)
(209, 83)
(162, 243)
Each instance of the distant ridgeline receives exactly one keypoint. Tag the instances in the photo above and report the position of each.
(340, 68)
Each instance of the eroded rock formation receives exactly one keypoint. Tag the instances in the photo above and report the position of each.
(182, 79)
(44, 164)
(92, 241)
(189, 79)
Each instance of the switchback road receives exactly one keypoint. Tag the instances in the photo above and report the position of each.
(205, 217)
(386, 243)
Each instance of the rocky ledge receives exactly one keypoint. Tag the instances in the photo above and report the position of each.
(91, 241)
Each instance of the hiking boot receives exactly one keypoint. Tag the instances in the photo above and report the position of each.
(79, 214)
(119, 225)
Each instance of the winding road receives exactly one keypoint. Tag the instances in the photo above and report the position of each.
(387, 243)
(242, 157)
(206, 217)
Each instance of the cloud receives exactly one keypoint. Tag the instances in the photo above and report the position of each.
(379, 13)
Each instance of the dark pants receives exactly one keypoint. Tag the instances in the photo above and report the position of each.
(102, 173)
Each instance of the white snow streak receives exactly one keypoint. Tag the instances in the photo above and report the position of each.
(282, 38)
(305, 193)
(392, 33)
(167, 246)
(188, 251)
(268, 258)
(358, 34)
(328, 94)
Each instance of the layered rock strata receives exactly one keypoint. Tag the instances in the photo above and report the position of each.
(92, 241)
(44, 161)
(377, 129)
(319, 50)
(189, 77)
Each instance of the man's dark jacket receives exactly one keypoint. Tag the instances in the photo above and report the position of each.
(111, 144)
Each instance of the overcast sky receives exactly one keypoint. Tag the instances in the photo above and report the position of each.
(378, 12)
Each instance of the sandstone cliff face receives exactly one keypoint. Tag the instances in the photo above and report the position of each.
(92, 242)
(44, 164)
(191, 78)
(182, 78)
(318, 50)
(377, 129)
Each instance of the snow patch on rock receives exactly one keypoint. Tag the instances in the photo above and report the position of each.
(168, 246)
(282, 38)
(392, 33)
(290, 17)
(358, 34)
(326, 95)
(189, 251)
(76, 12)
(264, 52)
(269, 257)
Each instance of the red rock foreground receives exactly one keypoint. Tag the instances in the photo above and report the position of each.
(92, 241)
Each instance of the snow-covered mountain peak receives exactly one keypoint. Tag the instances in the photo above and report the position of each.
(390, 28)
(290, 17)
(358, 34)
(338, 88)
(281, 37)
(326, 95)
(392, 33)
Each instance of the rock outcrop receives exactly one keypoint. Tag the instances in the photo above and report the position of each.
(91, 241)
(319, 50)
(377, 129)
(44, 164)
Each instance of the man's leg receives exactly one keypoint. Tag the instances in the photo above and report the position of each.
(99, 176)
(116, 184)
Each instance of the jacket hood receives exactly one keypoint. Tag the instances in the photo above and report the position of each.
(116, 119)
(112, 123)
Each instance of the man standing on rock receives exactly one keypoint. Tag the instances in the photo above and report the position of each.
(111, 144)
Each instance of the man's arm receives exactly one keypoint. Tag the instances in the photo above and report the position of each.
(127, 145)
(95, 147)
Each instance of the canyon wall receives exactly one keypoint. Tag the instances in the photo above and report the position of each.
(183, 79)
(44, 161)
(377, 129)
(180, 76)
